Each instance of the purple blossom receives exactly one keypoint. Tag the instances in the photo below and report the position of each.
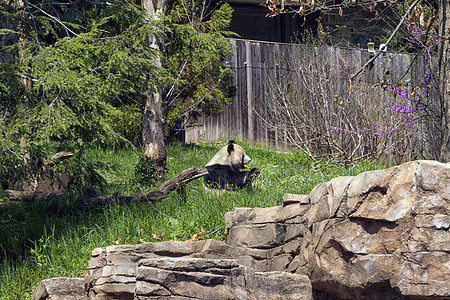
(380, 128)
(411, 102)
(404, 109)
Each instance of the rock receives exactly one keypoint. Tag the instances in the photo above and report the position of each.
(278, 286)
(187, 270)
(198, 278)
(39, 188)
(195, 278)
(111, 272)
(378, 235)
(61, 289)
(294, 198)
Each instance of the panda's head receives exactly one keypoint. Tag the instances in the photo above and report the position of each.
(231, 155)
(238, 158)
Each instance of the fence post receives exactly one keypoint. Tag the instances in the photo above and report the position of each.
(248, 59)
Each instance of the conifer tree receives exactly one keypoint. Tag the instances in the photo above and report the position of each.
(85, 63)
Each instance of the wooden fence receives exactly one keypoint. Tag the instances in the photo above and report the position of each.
(257, 64)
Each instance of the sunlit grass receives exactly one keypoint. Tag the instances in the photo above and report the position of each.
(58, 241)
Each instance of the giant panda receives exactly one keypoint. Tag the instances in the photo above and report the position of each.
(224, 168)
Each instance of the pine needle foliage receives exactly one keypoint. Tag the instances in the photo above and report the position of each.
(68, 77)
(196, 53)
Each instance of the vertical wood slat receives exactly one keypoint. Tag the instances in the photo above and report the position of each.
(238, 98)
(258, 133)
(231, 111)
(263, 108)
(249, 68)
(242, 90)
(276, 64)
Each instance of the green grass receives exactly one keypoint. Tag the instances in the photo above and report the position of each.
(59, 242)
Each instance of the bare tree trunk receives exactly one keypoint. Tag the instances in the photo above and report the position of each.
(153, 133)
(152, 121)
(444, 80)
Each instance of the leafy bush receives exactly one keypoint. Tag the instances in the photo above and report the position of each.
(145, 172)
(126, 121)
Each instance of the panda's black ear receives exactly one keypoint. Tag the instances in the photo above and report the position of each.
(230, 148)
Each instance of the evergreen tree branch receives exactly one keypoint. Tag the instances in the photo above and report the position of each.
(51, 17)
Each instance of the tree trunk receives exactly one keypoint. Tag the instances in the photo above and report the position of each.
(153, 133)
(444, 78)
(22, 40)
(152, 121)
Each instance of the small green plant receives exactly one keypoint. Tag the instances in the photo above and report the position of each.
(39, 251)
(145, 172)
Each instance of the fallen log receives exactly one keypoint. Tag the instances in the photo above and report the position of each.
(14, 195)
(177, 182)
(91, 197)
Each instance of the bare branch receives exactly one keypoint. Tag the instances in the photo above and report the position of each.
(388, 41)
(52, 17)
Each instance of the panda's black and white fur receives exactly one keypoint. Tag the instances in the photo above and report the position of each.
(224, 168)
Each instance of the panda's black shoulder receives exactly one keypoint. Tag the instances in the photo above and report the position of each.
(221, 170)
(221, 175)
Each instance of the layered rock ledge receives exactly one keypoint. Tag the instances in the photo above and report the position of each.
(378, 235)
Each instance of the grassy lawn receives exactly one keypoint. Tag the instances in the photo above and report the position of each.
(58, 241)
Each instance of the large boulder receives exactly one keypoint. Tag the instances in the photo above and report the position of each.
(33, 186)
(379, 235)
(382, 234)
